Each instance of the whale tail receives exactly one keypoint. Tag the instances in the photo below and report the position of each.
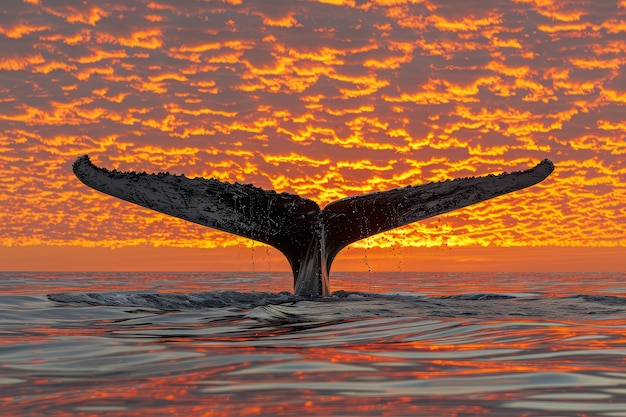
(309, 238)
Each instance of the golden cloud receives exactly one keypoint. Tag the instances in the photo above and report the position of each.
(326, 99)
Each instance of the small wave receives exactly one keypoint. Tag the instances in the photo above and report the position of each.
(298, 315)
(609, 300)
(343, 305)
(477, 297)
(176, 301)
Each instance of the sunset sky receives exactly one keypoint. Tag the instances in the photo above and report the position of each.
(326, 99)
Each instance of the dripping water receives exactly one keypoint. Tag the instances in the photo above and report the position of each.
(238, 254)
(369, 268)
(268, 256)
(252, 257)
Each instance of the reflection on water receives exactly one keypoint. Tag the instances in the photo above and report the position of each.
(457, 344)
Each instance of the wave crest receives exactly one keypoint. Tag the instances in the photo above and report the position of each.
(344, 305)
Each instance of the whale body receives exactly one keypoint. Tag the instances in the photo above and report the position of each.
(309, 237)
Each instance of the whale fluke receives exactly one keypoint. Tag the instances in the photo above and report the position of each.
(309, 238)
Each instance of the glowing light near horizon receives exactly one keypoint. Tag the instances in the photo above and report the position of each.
(325, 99)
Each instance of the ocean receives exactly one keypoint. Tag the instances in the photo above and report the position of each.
(240, 344)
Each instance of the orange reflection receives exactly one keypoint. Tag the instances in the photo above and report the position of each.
(189, 360)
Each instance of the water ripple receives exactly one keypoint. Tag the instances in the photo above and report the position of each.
(520, 350)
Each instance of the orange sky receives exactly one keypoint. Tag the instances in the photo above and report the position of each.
(325, 99)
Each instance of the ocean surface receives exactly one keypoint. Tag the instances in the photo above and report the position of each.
(385, 344)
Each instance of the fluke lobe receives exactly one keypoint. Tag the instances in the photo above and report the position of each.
(310, 238)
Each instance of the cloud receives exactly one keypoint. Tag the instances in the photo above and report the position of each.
(323, 98)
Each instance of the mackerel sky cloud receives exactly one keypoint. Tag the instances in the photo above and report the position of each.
(325, 99)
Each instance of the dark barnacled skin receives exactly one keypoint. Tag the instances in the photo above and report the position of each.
(310, 238)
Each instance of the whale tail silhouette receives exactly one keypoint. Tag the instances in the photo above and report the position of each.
(309, 238)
